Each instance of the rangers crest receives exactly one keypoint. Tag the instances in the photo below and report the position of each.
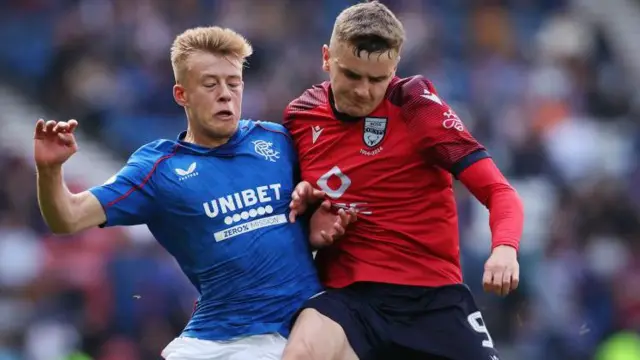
(374, 131)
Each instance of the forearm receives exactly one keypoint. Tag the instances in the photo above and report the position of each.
(506, 214)
(57, 204)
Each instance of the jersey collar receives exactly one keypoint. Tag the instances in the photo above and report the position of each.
(227, 149)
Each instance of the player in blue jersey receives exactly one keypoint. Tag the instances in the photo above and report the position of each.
(217, 199)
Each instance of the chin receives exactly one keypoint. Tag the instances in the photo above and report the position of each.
(356, 112)
(223, 132)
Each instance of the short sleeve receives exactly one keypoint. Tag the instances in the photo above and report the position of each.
(436, 129)
(128, 197)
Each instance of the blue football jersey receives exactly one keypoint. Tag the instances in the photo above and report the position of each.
(222, 213)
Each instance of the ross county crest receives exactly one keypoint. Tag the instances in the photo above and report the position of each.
(374, 131)
(265, 149)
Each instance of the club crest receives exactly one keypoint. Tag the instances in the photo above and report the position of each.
(374, 131)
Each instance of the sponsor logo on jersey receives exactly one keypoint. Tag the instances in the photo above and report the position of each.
(247, 207)
(452, 121)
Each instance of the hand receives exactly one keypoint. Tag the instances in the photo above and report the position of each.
(303, 195)
(327, 227)
(501, 271)
(54, 142)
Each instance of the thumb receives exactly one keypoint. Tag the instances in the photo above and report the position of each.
(318, 194)
(66, 139)
(326, 205)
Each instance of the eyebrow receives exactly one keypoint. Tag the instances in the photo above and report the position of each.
(217, 77)
(349, 71)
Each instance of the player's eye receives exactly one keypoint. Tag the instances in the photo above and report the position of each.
(377, 80)
(210, 85)
(234, 85)
(352, 76)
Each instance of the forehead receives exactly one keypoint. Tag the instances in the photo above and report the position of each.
(367, 64)
(201, 63)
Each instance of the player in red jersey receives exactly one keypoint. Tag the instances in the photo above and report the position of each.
(389, 148)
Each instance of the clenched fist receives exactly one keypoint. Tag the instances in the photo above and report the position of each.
(501, 271)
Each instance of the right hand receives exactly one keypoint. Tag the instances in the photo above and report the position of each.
(54, 142)
(303, 195)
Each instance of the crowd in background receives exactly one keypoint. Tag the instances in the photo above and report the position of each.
(536, 84)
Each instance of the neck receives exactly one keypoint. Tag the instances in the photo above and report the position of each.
(203, 140)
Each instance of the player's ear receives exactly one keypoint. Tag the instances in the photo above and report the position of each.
(179, 95)
(325, 57)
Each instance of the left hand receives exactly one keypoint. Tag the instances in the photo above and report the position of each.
(328, 227)
(501, 271)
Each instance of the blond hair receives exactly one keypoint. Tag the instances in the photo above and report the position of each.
(212, 39)
(370, 27)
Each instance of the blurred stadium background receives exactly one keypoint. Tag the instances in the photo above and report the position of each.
(550, 86)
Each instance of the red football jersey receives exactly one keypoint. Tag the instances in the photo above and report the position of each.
(395, 167)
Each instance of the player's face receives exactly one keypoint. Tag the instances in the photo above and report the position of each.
(359, 83)
(212, 95)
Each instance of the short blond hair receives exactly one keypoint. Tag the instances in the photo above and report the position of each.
(212, 39)
(369, 27)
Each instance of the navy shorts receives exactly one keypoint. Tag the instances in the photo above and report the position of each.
(385, 321)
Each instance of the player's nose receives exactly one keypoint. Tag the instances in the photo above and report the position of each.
(225, 94)
(361, 92)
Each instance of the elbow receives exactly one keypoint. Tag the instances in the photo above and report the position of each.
(61, 229)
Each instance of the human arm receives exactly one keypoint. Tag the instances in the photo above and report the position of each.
(506, 220)
(125, 199)
(445, 142)
(63, 211)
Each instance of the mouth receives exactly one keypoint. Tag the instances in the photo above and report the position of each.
(224, 114)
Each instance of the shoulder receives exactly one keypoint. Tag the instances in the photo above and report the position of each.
(277, 133)
(271, 127)
(310, 99)
(411, 91)
(153, 153)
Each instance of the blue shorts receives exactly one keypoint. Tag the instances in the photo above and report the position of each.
(385, 321)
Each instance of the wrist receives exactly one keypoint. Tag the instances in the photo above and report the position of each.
(49, 170)
(506, 244)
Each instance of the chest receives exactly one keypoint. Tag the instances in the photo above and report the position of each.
(222, 191)
(371, 156)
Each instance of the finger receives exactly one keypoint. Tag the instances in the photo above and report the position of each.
(39, 126)
(295, 203)
(326, 205)
(496, 284)
(344, 217)
(318, 194)
(73, 124)
(352, 215)
(338, 230)
(292, 216)
(506, 283)
(487, 279)
(328, 240)
(62, 126)
(65, 139)
(303, 189)
(295, 197)
(515, 278)
(48, 127)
